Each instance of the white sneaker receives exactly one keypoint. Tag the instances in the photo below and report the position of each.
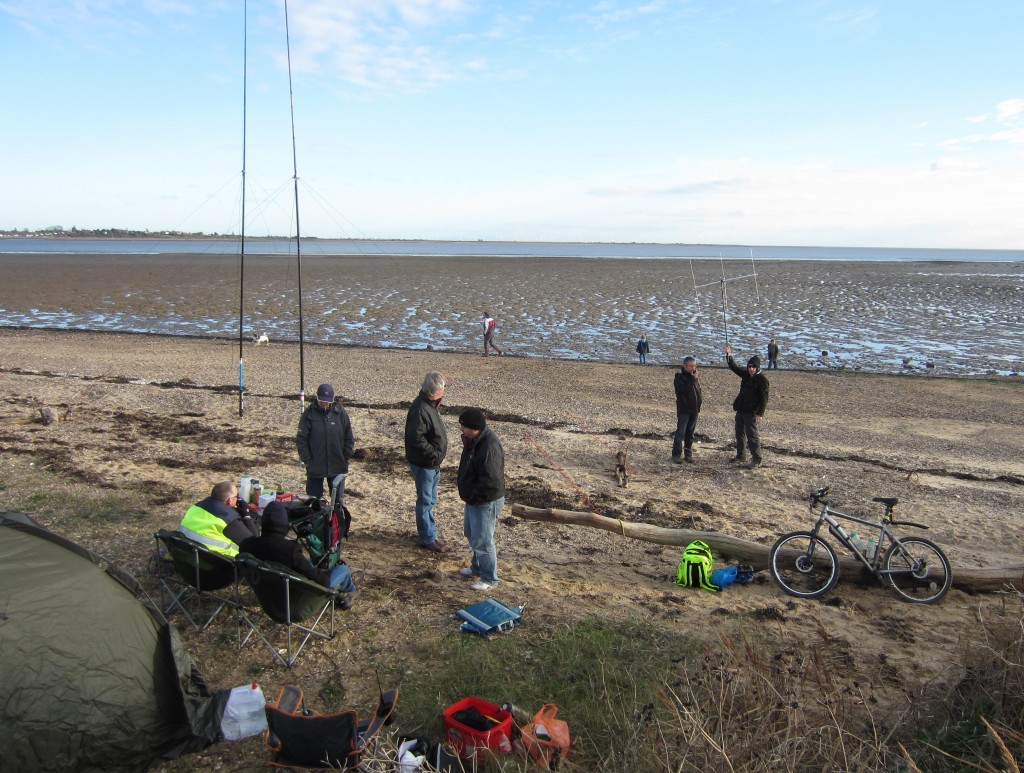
(481, 585)
(467, 571)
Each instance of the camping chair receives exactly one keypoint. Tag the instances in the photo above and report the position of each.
(300, 738)
(199, 579)
(303, 607)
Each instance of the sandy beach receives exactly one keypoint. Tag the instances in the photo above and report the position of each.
(153, 419)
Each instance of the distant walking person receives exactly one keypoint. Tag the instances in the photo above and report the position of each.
(773, 355)
(325, 443)
(749, 405)
(688, 400)
(426, 444)
(643, 349)
(490, 328)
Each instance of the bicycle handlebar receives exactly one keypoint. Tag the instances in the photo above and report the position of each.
(818, 496)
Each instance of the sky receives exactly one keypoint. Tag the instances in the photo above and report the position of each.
(885, 123)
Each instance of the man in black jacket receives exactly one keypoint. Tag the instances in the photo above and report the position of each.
(749, 405)
(482, 488)
(688, 400)
(325, 443)
(426, 444)
(274, 545)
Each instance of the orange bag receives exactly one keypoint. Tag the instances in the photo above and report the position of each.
(546, 739)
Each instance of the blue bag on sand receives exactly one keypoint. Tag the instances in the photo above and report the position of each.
(724, 577)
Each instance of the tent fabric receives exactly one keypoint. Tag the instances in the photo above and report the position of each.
(91, 677)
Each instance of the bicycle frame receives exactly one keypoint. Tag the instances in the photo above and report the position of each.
(827, 514)
(825, 517)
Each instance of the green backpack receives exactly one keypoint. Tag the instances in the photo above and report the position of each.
(694, 571)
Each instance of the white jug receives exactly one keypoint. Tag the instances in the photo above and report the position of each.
(244, 489)
(244, 714)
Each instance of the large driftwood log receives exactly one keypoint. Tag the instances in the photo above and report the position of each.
(972, 579)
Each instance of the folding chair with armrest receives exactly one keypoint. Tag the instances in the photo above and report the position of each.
(300, 738)
(200, 576)
(303, 607)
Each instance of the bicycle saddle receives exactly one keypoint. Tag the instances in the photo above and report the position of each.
(887, 501)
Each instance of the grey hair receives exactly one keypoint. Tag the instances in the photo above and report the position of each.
(689, 359)
(433, 383)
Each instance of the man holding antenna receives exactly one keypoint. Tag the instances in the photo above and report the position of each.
(749, 405)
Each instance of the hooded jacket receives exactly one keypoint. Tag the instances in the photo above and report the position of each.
(426, 441)
(753, 396)
(325, 441)
(482, 470)
(688, 397)
(274, 546)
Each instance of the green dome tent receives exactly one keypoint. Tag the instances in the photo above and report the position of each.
(90, 676)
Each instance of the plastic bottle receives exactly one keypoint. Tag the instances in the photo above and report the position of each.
(872, 548)
(257, 489)
(244, 489)
(857, 542)
(244, 714)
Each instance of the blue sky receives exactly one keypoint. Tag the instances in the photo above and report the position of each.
(805, 122)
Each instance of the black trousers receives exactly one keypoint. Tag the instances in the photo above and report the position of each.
(747, 436)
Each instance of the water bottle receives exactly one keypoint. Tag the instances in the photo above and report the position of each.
(872, 548)
(244, 714)
(857, 542)
(244, 489)
(257, 489)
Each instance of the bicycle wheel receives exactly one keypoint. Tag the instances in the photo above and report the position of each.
(917, 570)
(804, 565)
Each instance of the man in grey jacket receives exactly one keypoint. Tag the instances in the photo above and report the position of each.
(426, 444)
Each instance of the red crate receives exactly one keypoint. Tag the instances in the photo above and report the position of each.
(468, 741)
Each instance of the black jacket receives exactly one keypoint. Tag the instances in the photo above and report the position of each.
(688, 397)
(482, 470)
(325, 440)
(753, 396)
(426, 442)
(286, 552)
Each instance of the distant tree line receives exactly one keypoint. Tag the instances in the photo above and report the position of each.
(60, 232)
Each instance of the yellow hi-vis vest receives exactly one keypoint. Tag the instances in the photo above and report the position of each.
(207, 529)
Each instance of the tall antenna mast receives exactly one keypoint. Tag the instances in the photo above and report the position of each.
(241, 275)
(722, 283)
(298, 230)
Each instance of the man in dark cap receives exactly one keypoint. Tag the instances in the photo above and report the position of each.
(273, 545)
(426, 444)
(482, 488)
(325, 443)
(749, 405)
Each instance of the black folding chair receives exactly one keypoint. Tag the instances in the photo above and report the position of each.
(304, 608)
(300, 738)
(201, 580)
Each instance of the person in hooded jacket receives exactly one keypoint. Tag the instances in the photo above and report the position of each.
(325, 443)
(273, 545)
(482, 488)
(426, 444)
(749, 405)
(688, 400)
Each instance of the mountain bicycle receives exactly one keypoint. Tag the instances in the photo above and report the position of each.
(805, 565)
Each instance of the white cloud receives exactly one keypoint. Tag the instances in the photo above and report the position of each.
(1008, 110)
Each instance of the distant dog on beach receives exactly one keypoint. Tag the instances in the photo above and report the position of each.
(260, 339)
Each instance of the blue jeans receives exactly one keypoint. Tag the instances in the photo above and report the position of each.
(315, 487)
(426, 497)
(685, 425)
(478, 522)
(341, 579)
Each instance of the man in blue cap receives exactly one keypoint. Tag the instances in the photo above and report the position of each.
(325, 443)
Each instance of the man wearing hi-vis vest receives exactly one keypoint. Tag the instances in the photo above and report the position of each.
(216, 523)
